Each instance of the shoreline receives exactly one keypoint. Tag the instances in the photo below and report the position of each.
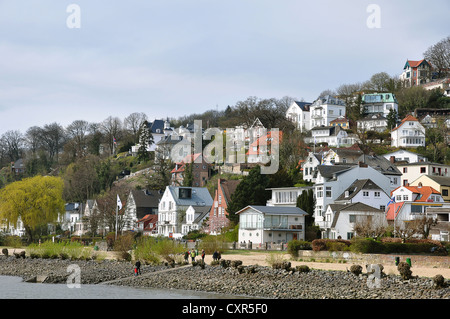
(253, 281)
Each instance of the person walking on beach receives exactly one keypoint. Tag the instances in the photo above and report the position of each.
(193, 255)
(203, 255)
(186, 256)
(138, 268)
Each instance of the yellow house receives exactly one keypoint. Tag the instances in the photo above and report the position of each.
(440, 183)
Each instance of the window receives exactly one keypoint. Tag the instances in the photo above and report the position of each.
(382, 207)
(398, 197)
(405, 197)
(320, 191)
(445, 192)
(365, 194)
(377, 194)
(351, 218)
(405, 169)
(328, 191)
(423, 170)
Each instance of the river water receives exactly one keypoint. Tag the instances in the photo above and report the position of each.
(16, 288)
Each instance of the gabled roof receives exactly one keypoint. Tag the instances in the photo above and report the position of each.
(380, 163)
(414, 64)
(199, 196)
(228, 187)
(275, 210)
(424, 192)
(146, 198)
(408, 118)
(328, 171)
(356, 187)
(393, 210)
(304, 106)
(441, 180)
(354, 207)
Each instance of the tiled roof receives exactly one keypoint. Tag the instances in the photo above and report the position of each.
(425, 191)
(393, 210)
(409, 117)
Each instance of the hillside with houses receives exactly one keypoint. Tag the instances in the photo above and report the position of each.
(361, 157)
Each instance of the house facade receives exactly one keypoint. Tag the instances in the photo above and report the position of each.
(139, 204)
(173, 207)
(409, 133)
(218, 213)
(148, 225)
(405, 156)
(333, 136)
(439, 183)
(416, 73)
(194, 219)
(379, 104)
(201, 170)
(333, 180)
(412, 202)
(340, 219)
(286, 196)
(412, 171)
(299, 114)
(269, 224)
(326, 109)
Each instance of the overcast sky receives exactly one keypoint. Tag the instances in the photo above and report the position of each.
(170, 58)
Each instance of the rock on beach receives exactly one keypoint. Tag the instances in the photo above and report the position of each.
(253, 281)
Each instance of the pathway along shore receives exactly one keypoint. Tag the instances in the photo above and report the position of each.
(253, 281)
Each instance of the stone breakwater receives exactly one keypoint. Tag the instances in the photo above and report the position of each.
(261, 282)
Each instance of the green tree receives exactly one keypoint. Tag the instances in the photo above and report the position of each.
(307, 202)
(145, 139)
(35, 201)
(392, 118)
(250, 191)
(188, 176)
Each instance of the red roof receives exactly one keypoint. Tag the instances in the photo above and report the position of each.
(265, 140)
(393, 210)
(409, 117)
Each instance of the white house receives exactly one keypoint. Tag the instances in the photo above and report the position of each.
(299, 114)
(326, 109)
(409, 133)
(405, 156)
(332, 135)
(194, 218)
(364, 191)
(174, 205)
(271, 224)
(413, 202)
(340, 219)
(333, 180)
(372, 122)
(140, 203)
(286, 196)
(309, 166)
(379, 103)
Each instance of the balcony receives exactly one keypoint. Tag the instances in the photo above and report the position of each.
(283, 226)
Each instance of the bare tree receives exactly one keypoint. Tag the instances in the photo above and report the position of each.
(439, 56)
(370, 226)
(77, 132)
(53, 138)
(132, 123)
(112, 131)
(13, 144)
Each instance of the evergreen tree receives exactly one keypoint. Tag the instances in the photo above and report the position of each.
(306, 202)
(145, 140)
(250, 191)
(392, 119)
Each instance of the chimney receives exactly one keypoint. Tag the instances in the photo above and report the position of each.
(361, 164)
(392, 159)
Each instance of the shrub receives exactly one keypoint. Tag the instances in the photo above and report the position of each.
(295, 245)
(325, 244)
(439, 282)
(366, 246)
(302, 268)
(356, 270)
(405, 270)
